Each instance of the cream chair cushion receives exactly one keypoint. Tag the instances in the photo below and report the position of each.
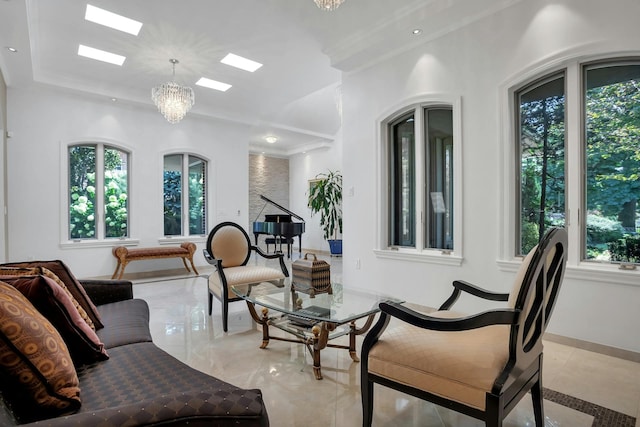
(243, 275)
(460, 366)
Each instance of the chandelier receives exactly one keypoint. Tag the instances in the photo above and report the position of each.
(328, 5)
(172, 99)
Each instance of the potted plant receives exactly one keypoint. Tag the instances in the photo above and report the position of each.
(325, 197)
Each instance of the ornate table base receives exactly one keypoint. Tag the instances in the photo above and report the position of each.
(317, 341)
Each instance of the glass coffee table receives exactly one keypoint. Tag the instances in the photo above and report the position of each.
(312, 320)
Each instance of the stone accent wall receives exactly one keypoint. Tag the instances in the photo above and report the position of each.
(268, 176)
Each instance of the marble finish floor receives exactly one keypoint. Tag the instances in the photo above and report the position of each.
(283, 371)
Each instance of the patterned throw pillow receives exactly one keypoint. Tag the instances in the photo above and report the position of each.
(62, 271)
(54, 303)
(42, 271)
(35, 358)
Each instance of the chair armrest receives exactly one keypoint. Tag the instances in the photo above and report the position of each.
(486, 318)
(266, 255)
(107, 291)
(278, 255)
(211, 260)
(208, 257)
(461, 285)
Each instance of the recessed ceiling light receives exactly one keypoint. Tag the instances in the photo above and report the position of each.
(100, 55)
(12, 49)
(271, 139)
(212, 84)
(114, 99)
(112, 20)
(416, 32)
(240, 62)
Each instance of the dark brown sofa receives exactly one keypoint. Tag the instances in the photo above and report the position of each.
(140, 384)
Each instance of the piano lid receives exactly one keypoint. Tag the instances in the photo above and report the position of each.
(266, 199)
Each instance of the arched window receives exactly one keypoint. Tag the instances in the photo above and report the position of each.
(420, 148)
(578, 162)
(185, 174)
(98, 189)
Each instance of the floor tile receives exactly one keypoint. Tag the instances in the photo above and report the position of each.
(181, 325)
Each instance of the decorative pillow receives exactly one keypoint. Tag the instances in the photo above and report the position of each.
(53, 303)
(76, 289)
(35, 358)
(41, 271)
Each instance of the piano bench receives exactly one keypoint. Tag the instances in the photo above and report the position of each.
(277, 241)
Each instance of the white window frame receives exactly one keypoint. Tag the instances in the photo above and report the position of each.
(574, 159)
(418, 253)
(167, 239)
(100, 240)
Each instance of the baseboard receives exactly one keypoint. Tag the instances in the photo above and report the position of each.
(632, 356)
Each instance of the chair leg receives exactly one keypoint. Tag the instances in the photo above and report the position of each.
(366, 392)
(225, 315)
(493, 411)
(538, 409)
(210, 302)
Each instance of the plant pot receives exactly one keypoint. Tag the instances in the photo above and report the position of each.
(335, 246)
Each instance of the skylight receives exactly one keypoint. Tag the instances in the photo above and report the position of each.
(240, 62)
(212, 84)
(112, 20)
(100, 55)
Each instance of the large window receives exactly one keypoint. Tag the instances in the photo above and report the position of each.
(98, 189)
(439, 164)
(402, 179)
(541, 136)
(612, 159)
(421, 198)
(597, 176)
(184, 174)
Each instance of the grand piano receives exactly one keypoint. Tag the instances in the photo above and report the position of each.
(280, 226)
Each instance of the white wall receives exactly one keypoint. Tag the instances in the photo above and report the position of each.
(475, 63)
(302, 168)
(43, 121)
(3, 164)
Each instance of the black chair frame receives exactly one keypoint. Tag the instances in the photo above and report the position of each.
(523, 370)
(217, 263)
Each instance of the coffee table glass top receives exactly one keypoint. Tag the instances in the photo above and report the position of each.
(344, 305)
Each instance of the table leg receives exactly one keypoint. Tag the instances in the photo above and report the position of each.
(316, 352)
(264, 321)
(355, 331)
(352, 342)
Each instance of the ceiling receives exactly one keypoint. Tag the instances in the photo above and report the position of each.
(304, 51)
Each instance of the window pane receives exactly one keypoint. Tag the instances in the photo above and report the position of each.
(402, 183)
(541, 148)
(82, 192)
(197, 187)
(439, 161)
(116, 189)
(173, 195)
(612, 118)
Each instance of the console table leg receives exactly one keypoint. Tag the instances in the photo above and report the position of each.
(264, 321)
(316, 352)
(265, 327)
(352, 342)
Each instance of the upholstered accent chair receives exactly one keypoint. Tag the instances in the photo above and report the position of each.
(481, 364)
(229, 250)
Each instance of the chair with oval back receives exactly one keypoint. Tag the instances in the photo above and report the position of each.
(229, 250)
(480, 365)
